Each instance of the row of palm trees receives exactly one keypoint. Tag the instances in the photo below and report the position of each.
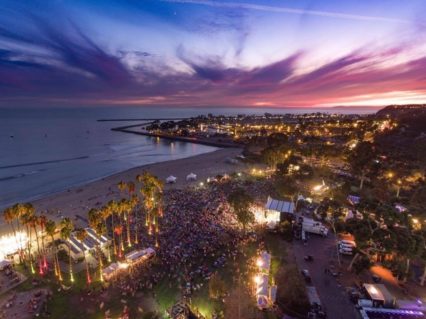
(123, 214)
(22, 217)
(120, 215)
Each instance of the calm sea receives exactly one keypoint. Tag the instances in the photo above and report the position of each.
(50, 150)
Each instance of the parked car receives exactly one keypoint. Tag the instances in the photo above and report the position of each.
(306, 275)
(309, 258)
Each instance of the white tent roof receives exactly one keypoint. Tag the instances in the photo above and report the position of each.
(171, 179)
(266, 261)
(263, 285)
(191, 176)
(136, 255)
(280, 206)
(110, 270)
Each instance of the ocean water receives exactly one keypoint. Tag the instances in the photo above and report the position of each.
(49, 150)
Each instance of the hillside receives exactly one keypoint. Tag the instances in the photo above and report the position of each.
(402, 111)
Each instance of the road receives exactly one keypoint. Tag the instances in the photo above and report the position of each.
(333, 297)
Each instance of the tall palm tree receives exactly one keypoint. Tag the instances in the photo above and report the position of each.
(66, 230)
(18, 211)
(127, 207)
(50, 231)
(9, 216)
(96, 221)
(121, 213)
(42, 220)
(152, 191)
(104, 213)
(81, 235)
(33, 222)
(26, 213)
(111, 210)
(133, 202)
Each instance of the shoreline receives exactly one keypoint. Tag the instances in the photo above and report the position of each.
(125, 129)
(77, 200)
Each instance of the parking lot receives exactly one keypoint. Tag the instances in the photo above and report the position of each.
(333, 297)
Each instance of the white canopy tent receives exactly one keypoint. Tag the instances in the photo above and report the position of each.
(191, 177)
(280, 206)
(139, 255)
(171, 179)
(110, 271)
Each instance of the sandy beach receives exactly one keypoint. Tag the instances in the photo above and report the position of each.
(79, 200)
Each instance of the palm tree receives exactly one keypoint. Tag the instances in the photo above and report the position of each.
(9, 216)
(26, 213)
(66, 230)
(81, 235)
(33, 222)
(50, 227)
(104, 213)
(18, 211)
(121, 212)
(97, 222)
(133, 202)
(42, 220)
(111, 209)
(152, 191)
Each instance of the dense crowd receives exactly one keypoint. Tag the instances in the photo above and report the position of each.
(198, 234)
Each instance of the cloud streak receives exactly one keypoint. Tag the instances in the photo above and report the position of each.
(287, 10)
(40, 65)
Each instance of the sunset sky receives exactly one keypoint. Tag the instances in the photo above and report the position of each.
(212, 53)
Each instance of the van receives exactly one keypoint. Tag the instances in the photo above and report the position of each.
(344, 246)
(345, 251)
(347, 242)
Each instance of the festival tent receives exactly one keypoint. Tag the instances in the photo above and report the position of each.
(139, 255)
(265, 263)
(110, 271)
(262, 287)
(171, 179)
(279, 206)
(191, 177)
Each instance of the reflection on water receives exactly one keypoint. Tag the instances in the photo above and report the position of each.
(61, 149)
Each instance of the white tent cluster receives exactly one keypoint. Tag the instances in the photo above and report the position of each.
(78, 248)
(265, 294)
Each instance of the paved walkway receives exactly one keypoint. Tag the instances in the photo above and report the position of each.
(333, 297)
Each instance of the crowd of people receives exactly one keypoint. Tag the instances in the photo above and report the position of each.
(199, 233)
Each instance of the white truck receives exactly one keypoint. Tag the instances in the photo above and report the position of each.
(346, 247)
(315, 227)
